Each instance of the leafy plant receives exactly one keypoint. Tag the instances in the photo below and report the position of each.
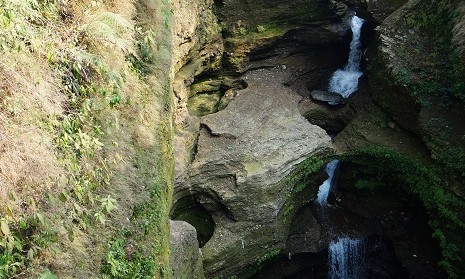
(47, 274)
(142, 58)
(261, 28)
(242, 31)
(116, 264)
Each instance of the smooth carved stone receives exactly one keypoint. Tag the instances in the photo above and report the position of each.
(331, 98)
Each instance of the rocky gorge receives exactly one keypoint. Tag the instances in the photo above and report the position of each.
(232, 139)
(254, 129)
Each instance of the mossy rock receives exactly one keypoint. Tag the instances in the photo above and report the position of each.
(206, 86)
(204, 104)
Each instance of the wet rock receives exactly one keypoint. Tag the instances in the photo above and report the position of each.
(379, 9)
(210, 85)
(331, 98)
(318, 36)
(248, 14)
(331, 118)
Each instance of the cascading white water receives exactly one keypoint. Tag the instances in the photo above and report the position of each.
(345, 81)
(325, 188)
(347, 259)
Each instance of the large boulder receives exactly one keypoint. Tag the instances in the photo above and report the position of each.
(185, 256)
(244, 154)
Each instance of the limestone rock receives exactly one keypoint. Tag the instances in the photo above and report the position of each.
(252, 13)
(185, 257)
(197, 47)
(210, 85)
(229, 95)
(244, 154)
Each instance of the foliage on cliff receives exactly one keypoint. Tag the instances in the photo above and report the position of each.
(404, 174)
(84, 105)
(423, 55)
(427, 60)
(437, 20)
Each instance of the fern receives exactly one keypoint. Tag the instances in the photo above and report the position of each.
(110, 28)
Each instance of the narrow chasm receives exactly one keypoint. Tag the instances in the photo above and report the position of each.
(336, 97)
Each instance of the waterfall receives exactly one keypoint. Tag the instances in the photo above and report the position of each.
(325, 188)
(347, 259)
(345, 81)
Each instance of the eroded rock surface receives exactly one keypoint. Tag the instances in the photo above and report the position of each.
(244, 154)
(198, 47)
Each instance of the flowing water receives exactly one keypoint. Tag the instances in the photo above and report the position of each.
(347, 259)
(325, 188)
(345, 81)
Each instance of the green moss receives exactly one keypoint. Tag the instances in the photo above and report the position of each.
(444, 76)
(288, 210)
(263, 32)
(260, 261)
(204, 104)
(303, 187)
(305, 13)
(303, 171)
(368, 185)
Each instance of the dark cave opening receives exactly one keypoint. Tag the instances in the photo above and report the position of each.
(188, 209)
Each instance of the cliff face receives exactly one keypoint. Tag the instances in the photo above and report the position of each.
(416, 75)
(85, 103)
(198, 49)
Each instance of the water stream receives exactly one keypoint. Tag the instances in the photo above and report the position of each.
(345, 81)
(325, 188)
(346, 256)
(346, 259)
